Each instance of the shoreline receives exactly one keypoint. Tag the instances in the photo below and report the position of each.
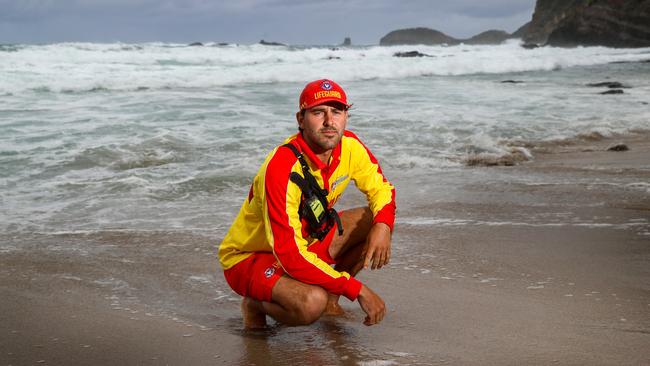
(540, 263)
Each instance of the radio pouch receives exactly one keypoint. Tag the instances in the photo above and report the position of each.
(314, 206)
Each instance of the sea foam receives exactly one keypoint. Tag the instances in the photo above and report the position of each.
(80, 67)
(149, 136)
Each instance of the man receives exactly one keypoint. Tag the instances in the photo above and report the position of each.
(279, 252)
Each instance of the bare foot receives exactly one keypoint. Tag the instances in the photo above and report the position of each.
(333, 308)
(254, 317)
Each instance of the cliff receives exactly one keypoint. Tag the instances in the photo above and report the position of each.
(612, 23)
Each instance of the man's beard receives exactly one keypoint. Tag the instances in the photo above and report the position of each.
(326, 142)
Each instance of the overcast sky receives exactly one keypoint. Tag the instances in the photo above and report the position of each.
(248, 21)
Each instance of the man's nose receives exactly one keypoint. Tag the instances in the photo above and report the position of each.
(327, 117)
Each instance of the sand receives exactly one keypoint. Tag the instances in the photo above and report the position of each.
(545, 262)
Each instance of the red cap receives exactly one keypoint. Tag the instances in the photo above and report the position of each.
(322, 91)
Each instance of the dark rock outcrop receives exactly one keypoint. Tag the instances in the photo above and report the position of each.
(611, 23)
(514, 157)
(413, 36)
(530, 46)
(608, 84)
(618, 147)
(265, 43)
(489, 37)
(613, 91)
(410, 54)
(194, 44)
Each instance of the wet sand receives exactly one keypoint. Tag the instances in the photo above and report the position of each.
(546, 262)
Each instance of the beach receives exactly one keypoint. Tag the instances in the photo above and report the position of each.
(545, 262)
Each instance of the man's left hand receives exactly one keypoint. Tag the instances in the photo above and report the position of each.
(377, 246)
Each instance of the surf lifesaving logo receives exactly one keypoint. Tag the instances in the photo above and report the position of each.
(269, 272)
(326, 85)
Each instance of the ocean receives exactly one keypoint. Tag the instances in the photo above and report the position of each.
(167, 137)
(122, 166)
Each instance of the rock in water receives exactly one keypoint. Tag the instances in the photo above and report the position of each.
(530, 46)
(608, 84)
(265, 43)
(618, 147)
(613, 91)
(410, 54)
(611, 23)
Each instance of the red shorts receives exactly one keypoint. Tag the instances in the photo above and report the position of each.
(255, 276)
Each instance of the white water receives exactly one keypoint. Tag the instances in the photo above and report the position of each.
(167, 137)
(82, 67)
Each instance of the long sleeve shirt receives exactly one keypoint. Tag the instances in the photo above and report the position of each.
(269, 221)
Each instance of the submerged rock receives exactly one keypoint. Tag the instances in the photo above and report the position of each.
(613, 91)
(410, 54)
(608, 84)
(517, 155)
(193, 44)
(618, 147)
(265, 43)
(511, 81)
(530, 46)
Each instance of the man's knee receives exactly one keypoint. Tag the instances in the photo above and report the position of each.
(312, 306)
(360, 214)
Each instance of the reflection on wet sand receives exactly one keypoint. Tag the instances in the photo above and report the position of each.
(326, 342)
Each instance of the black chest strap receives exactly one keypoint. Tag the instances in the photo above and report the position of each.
(319, 222)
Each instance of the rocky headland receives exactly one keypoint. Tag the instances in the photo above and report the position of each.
(426, 36)
(590, 23)
(414, 36)
(489, 37)
(562, 23)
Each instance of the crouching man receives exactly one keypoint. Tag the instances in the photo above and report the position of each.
(288, 252)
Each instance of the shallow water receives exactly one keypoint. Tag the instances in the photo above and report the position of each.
(167, 137)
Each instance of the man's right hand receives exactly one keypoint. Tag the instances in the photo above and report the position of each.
(372, 305)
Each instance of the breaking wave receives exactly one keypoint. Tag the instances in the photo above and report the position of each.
(80, 67)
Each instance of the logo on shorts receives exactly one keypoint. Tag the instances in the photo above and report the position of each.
(269, 272)
(326, 85)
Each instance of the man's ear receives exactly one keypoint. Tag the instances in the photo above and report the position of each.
(299, 118)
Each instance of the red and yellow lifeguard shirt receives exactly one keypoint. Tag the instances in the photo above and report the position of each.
(268, 221)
